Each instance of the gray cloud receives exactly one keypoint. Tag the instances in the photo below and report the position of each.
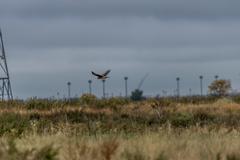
(110, 8)
(51, 42)
(122, 32)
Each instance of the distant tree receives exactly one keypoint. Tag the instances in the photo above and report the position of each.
(137, 95)
(220, 87)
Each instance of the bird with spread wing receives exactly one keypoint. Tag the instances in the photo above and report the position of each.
(102, 76)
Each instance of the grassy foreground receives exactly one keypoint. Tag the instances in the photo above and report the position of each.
(91, 129)
(186, 144)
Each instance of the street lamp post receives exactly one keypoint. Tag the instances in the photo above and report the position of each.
(104, 94)
(90, 86)
(201, 84)
(178, 86)
(58, 95)
(126, 87)
(69, 90)
(190, 92)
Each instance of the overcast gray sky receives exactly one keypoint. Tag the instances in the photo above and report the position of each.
(50, 42)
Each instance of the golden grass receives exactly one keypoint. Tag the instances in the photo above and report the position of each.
(164, 142)
(221, 106)
(188, 144)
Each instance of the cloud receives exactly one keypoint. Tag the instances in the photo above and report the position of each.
(133, 32)
(204, 9)
(51, 42)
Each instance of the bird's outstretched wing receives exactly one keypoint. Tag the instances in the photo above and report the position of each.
(95, 74)
(106, 73)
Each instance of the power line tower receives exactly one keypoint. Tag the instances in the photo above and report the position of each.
(5, 85)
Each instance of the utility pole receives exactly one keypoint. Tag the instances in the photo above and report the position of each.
(69, 90)
(126, 87)
(178, 86)
(90, 86)
(104, 94)
(5, 85)
(201, 84)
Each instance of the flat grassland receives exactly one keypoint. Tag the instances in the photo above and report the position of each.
(118, 129)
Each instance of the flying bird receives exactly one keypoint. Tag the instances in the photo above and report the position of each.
(102, 76)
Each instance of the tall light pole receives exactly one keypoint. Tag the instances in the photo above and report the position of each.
(190, 92)
(126, 87)
(90, 86)
(104, 94)
(58, 95)
(201, 84)
(69, 89)
(178, 86)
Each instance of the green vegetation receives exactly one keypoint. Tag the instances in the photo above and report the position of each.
(118, 128)
(137, 95)
(220, 87)
(9, 150)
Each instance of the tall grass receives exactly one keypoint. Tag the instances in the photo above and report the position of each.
(89, 128)
(120, 117)
(168, 143)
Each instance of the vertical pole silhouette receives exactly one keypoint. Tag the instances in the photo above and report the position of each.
(58, 95)
(5, 85)
(90, 86)
(178, 86)
(190, 92)
(126, 87)
(216, 77)
(104, 94)
(164, 93)
(69, 90)
(201, 85)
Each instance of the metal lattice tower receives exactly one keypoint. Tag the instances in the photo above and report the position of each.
(5, 85)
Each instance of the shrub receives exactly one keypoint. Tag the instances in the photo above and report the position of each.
(46, 153)
(137, 95)
(34, 103)
(111, 103)
(220, 87)
(9, 151)
(13, 124)
(182, 120)
(88, 99)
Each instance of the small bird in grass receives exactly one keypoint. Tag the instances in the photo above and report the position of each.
(102, 76)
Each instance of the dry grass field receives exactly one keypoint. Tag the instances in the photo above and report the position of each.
(118, 129)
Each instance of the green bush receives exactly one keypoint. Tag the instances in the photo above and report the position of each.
(9, 151)
(46, 153)
(88, 99)
(115, 102)
(182, 120)
(111, 103)
(137, 95)
(39, 104)
(13, 124)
